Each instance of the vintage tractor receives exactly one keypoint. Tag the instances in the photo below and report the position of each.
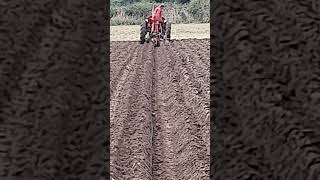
(155, 30)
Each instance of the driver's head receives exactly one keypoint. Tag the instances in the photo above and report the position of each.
(162, 5)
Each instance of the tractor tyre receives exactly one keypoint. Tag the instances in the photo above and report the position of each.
(143, 33)
(168, 31)
(163, 30)
(156, 42)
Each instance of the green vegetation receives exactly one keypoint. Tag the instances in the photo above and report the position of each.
(134, 12)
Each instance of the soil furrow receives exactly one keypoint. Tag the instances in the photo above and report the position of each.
(195, 84)
(119, 100)
(193, 126)
(163, 159)
(124, 66)
(134, 148)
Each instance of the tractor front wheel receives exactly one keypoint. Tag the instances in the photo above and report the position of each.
(157, 41)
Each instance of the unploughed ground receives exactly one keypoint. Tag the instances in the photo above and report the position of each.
(179, 31)
(160, 110)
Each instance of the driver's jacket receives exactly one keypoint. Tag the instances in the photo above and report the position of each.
(157, 15)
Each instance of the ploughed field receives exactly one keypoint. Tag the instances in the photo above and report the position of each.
(160, 110)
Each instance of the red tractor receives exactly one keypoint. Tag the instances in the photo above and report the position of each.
(155, 28)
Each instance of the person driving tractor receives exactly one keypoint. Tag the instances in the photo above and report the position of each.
(158, 18)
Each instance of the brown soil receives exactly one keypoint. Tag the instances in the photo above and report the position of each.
(160, 110)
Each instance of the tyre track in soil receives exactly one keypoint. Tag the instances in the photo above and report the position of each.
(168, 140)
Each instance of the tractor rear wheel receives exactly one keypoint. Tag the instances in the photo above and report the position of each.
(143, 33)
(168, 31)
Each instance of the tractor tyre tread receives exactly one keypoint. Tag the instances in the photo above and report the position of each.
(168, 31)
(143, 33)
